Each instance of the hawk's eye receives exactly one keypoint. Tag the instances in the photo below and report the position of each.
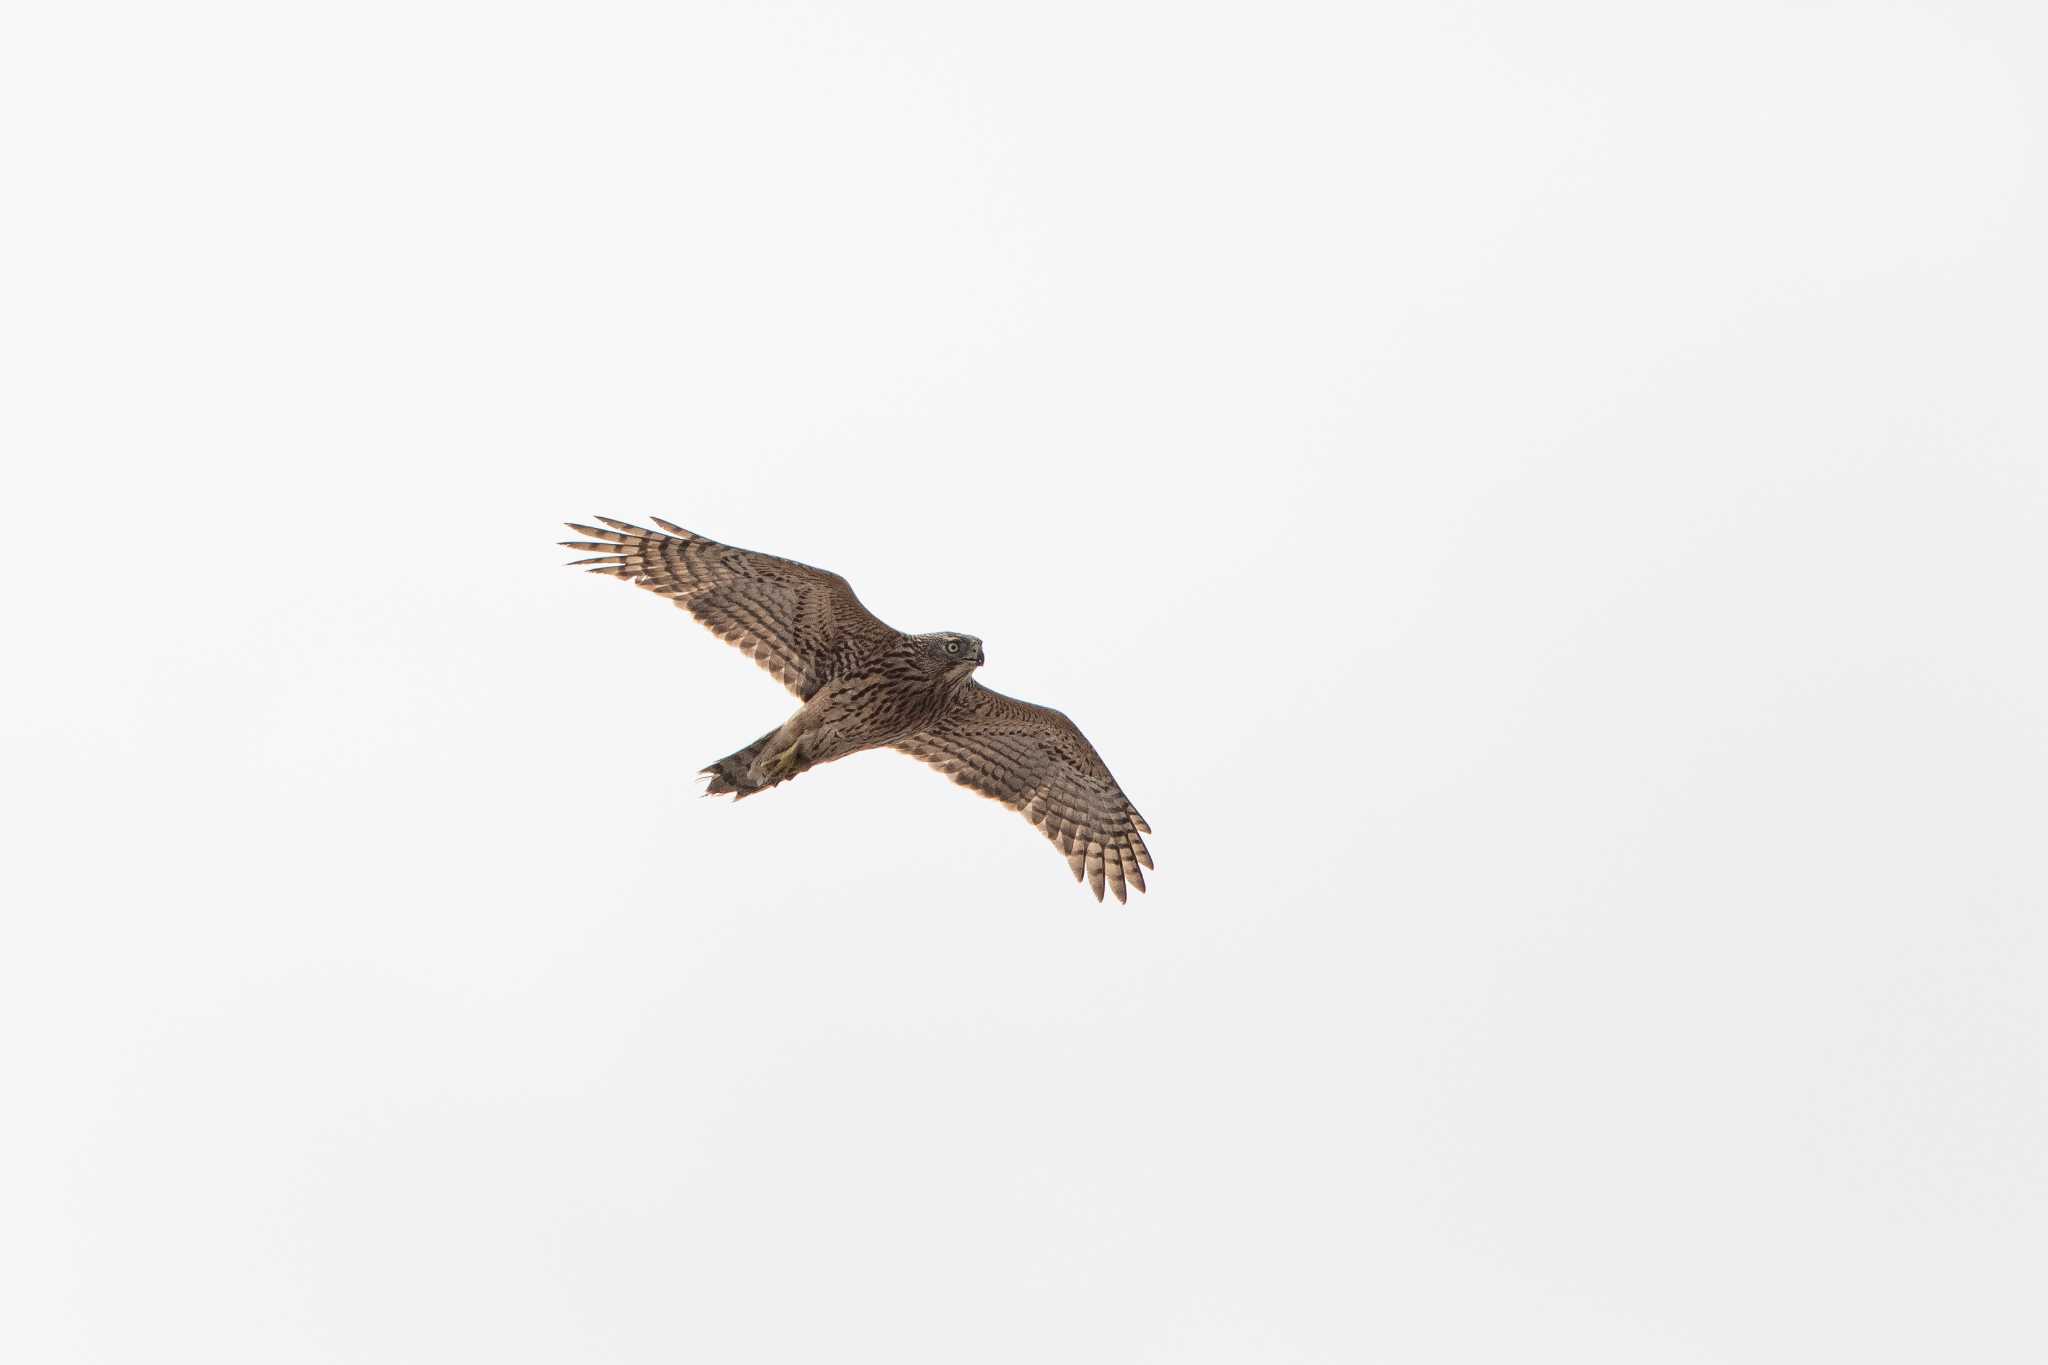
(952, 646)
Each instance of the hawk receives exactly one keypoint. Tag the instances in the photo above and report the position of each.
(865, 685)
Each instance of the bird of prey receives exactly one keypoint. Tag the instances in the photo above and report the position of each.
(865, 685)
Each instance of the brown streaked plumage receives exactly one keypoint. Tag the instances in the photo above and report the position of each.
(865, 685)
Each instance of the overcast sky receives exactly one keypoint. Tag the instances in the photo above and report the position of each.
(1544, 507)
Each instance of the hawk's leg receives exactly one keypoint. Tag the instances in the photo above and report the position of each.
(826, 727)
(774, 757)
(800, 743)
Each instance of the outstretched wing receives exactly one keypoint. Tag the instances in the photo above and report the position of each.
(803, 625)
(1036, 761)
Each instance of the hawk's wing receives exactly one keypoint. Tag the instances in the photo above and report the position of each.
(1037, 762)
(801, 624)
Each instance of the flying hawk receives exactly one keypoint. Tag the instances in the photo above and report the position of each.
(866, 685)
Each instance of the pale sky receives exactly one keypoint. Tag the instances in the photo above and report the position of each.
(1544, 508)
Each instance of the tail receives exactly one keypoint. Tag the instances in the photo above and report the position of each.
(731, 775)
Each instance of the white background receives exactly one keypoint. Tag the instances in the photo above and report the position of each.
(1542, 506)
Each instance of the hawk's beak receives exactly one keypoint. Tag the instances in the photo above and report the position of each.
(980, 655)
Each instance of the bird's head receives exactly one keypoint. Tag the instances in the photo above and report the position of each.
(955, 653)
